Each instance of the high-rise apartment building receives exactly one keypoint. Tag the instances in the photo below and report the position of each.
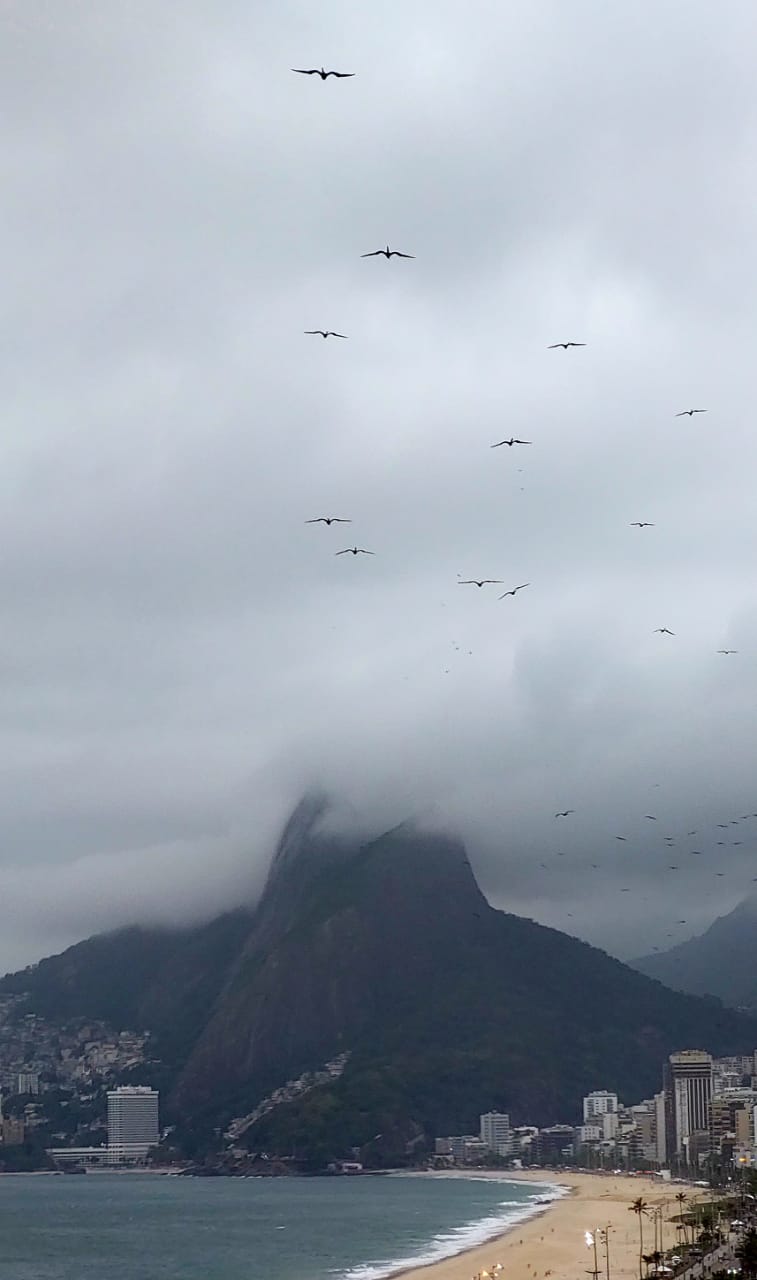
(132, 1122)
(496, 1132)
(687, 1084)
(599, 1103)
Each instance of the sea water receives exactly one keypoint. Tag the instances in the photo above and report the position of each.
(154, 1227)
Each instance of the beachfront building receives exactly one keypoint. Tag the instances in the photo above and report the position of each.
(132, 1123)
(27, 1082)
(556, 1145)
(687, 1084)
(599, 1103)
(496, 1132)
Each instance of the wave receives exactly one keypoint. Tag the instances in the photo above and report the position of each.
(448, 1244)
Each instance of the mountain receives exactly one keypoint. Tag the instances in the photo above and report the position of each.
(384, 951)
(721, 962)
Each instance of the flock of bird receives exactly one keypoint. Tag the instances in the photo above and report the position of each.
(511, 442)
(670, 842)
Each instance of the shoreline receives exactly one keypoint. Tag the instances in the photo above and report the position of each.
(550, 1243)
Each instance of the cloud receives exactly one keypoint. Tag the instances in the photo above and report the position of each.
(178, 208)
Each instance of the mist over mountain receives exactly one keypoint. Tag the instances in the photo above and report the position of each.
(386, 951)
(720, 962)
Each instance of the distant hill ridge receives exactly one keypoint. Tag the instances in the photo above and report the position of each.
(721, 962)
(386, 950)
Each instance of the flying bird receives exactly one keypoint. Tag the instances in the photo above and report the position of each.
(642, 524)
(620, 838)
(565, 813)
(664, 631)
(565, 345)
(328, 520)
(727, 650)
(651, 817)
(355, 551)
(478, 582)
(316, 71)
(689, 412)
(387, 253)
(326, 333)
(512, 593)
(509, 442)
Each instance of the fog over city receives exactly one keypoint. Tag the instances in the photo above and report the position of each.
(181, 654)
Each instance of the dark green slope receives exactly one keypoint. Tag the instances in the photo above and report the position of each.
(721, 962)
(161, 980)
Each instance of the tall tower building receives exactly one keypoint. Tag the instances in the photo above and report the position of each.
(132, 1122)
(599, 1103)
(687, 1084)
(496, 1132)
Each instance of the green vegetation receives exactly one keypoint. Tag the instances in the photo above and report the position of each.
(387, 951)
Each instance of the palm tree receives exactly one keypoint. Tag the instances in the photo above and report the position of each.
(682, 1199)
(639, 1207)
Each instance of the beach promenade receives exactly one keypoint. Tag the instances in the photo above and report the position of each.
(552, 1246)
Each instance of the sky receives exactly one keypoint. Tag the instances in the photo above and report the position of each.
(181, 655)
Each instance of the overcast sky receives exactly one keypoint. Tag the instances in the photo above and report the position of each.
(180, 654)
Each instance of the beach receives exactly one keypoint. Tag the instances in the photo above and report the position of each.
(552, 1244)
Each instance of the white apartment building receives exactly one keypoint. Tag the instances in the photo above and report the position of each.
(133, 1122)
(496, 1132)
(599, 1103)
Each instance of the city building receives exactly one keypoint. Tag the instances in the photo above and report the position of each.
(92, 1157)
(133, 1125)
(496, 1132)
(27, 1082)
(13, 1132)
(556, 1144)
(599, 1103)
(687, 1084)
(661, 1154)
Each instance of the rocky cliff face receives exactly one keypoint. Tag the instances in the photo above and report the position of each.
(384, 949)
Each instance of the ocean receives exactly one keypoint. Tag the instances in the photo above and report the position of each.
(153, 1227)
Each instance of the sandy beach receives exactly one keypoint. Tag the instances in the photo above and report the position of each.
(552, 1245)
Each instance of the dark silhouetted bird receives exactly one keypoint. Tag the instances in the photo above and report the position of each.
(512, 593)
(727, 650)
(565, 813)
(509, 442)
(651, 817)
(620, 838)
(355, 551)
(387, 253)
(319, 71)
(478, 582)
(688, 413)
(642, 524)
(328, 520)
(325, 333)
(664, 631)
(554, 345)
